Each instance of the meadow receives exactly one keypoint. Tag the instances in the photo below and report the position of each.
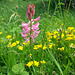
(53, 51)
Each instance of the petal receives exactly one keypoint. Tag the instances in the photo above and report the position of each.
(27, 40)
(23, 35)
(37, 24)
(25, 24)
(37, 32)
(37, 19)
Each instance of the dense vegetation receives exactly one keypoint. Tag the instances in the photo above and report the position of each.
(52, 53)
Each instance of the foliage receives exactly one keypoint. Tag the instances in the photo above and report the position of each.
(52, 52)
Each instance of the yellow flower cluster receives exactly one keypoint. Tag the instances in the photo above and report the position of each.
(40, 46)
(70, 34)
(51, 45)
(13, 44)
(53, 34)
(72, 45)
(20, 47)
(44, 47)
(70, 28)
(35, 63)
(61, 49)
(37, 46)
(42, 62)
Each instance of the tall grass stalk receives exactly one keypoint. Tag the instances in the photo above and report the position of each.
(48, 8)
(57, 64)
(66, 12)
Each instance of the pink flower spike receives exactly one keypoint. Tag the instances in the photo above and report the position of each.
(30, 31)
(37, 19)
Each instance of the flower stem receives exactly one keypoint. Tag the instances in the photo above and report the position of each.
(30, 33)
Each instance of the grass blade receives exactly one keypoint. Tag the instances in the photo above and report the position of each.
(56, 62)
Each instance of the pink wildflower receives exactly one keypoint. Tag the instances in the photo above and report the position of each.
(30, 11)
(30, 31)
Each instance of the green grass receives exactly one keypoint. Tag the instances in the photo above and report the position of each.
(13, 61)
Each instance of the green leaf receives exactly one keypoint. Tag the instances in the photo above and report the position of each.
(10, 73)
(18, 68)
(25, 73)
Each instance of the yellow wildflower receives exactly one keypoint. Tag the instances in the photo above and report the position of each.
(14, 44)
(70, 28)
(36, 63)
(50, 46)
(55, 36)
(69, 38)
(8, 37)
(48, 33)
(23, 43)
(30, 54)
(1, 40)
(72, 45)
(66, 32)
(61, 49)
(9, 44)
(0, 33)
(58, 34)
(44, 47)
(42, 62)
(49, 40)
(74, 36)
(55, 23)
(20, 47)
(17, 42)
(73, 30)
(37, 46)
(26, 43)
(29, 64)
(55, 32)
(62, 24)
(13, 37)
(62, 35)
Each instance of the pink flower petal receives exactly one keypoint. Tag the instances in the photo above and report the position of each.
(37, 19)
(25, 24)
(37, 24)
(27, 40)
(37, 32)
